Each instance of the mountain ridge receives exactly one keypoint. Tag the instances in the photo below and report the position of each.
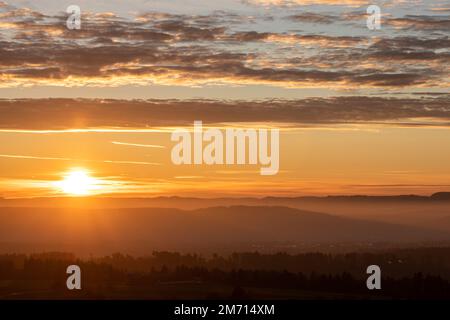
(145, 229)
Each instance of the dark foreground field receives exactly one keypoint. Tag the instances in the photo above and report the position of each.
(406, 274)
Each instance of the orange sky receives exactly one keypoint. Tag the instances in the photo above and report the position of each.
(360, 111)
(364, 160)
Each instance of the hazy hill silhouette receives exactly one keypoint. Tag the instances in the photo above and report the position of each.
(410, 210)
(194, 203)
(143, 229)
(441, 196)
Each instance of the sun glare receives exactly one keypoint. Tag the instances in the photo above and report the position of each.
(78, 182)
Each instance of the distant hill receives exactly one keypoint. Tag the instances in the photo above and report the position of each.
(411, 210)
(141, 229)
(194, 203)
(441, 196)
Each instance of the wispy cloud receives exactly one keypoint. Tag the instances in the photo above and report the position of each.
(12, 156)
(307, 2)
(29, 157)
(138, 145)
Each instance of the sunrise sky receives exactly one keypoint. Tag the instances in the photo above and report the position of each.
(90, 111)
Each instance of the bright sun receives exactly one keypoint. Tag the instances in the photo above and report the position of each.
(77, 182)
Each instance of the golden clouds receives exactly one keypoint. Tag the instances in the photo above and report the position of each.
(182, 50)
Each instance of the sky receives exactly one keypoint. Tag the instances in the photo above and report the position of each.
(360, 111)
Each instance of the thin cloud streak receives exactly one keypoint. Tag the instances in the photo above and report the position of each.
(138, 145)
(11, 156)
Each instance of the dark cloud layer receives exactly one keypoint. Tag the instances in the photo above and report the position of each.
(59, 114)
(422, 22)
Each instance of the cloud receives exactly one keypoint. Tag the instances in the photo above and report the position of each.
(220, 48)
(64, 114)
(342, 3)
(312, 17)
(110, 65)
(29, 157)
(137, 145)
(306, 2)
(421, 22)
(412, 43)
